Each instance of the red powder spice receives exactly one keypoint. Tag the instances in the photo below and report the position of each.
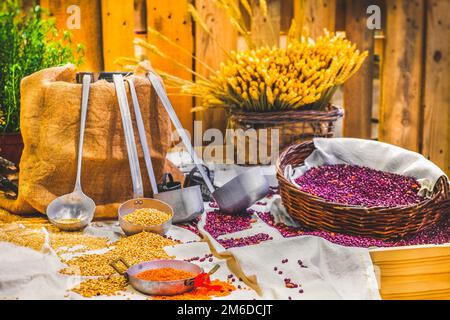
(360, 186)
(220, 289)
(164, 274)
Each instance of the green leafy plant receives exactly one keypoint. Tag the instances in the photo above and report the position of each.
(29, 42)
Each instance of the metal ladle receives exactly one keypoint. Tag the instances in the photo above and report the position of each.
(187, 203)
(75, 210)
(237, 194)
(138, 201)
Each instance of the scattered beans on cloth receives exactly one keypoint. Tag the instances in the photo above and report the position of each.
(192, 226)
(244, 241)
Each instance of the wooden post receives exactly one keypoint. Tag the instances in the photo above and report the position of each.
(140, 27)
(436, 132)
(358, 89)
(172, 19)
(315, 15)
(67, 14)
(140, 16)
(212, 53)
(400, 112)
(117, 30)
(265, 27)
(286, 15)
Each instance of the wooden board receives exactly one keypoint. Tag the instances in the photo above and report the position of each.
(210, 52)
(358, 90)
(413, 284)
(172, 19)
(436, 131)
(315, 15)
(118, 31)
(89, 32)
(400, 112)
(416, 272)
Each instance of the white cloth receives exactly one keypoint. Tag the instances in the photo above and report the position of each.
(28, 274)
(334, 271)
(372, 154)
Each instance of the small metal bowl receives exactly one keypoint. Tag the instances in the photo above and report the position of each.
(159, 287)
(140, 203)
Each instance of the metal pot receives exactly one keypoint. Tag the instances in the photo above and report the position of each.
(135, 204)
(160, 287)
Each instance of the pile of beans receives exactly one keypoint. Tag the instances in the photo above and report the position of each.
(360, 186)
(218, 223)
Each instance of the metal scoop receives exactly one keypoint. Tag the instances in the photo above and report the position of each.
(187, 203)
(138, 201)
(75, 210)
(234, 196)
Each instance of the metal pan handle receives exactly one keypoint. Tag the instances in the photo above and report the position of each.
(190, 282)
(114, 265)
(214, 269)
(129, 136)
(142, 136)
(157, 85)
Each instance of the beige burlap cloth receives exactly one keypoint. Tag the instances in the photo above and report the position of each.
(50, 123)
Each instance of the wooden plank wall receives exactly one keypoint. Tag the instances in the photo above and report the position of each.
(358, 90)
(172, 19)
(90, 31)
(208, 50)
(117, 31)
(414, 102)
(316, 15)
(436, 94)
(265, 26)
(402, 74)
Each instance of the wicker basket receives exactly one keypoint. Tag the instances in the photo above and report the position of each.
(293, 126)
(377, 222)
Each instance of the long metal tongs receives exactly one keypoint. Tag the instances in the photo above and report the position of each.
(236, 195)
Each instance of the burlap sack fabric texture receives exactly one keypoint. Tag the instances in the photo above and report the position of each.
(50, 123)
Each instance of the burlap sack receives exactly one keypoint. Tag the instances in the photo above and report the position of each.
(50, 123)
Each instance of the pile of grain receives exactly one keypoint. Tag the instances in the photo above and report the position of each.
(32, 236)
(109, 286)
(147, 217)
(144, 246)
